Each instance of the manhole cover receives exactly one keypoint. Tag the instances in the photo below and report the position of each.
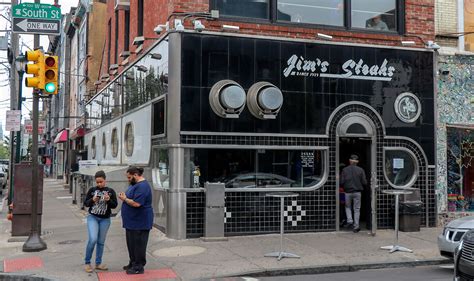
(70, 242)
(180, 251)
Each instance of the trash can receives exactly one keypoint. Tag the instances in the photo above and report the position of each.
(410, 216)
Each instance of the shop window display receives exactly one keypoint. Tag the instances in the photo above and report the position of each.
(256, 168)
(460, 167)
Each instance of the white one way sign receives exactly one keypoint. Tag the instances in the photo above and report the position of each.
(41, 26)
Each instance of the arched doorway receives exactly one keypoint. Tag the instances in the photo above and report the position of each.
(356, 134)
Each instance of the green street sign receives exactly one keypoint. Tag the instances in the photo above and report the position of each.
(36, 11)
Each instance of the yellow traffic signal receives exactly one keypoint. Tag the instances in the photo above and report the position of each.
(36, 68)
(51, 75)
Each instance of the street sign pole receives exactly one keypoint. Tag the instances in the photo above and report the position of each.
(34, 242)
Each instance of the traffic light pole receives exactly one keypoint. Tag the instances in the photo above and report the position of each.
(34, 242)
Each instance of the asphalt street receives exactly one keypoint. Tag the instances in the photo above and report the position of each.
(433, 273)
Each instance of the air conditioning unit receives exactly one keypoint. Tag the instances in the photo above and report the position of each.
(122, 4)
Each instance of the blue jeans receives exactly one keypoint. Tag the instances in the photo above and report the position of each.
(97, 229)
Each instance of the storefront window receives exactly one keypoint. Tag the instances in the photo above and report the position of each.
(381, 15)
(460, 166)
(139, 84)
(400, 167)
(160, 168)
(376, 15)
(256, 168)
(129, 139)
(327, 12)
(114, 143)
(243, 8)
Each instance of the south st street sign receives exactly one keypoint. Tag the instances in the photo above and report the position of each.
(36, 19)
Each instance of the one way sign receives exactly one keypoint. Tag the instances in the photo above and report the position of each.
(36, 26)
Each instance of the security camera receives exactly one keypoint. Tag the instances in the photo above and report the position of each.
(198, 26)
(444, 72)
(159, 28)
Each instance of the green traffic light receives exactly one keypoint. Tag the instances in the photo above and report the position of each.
(50, 88)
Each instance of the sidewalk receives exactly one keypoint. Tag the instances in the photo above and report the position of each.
(65, 233)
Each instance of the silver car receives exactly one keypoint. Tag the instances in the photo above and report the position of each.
(452, 235)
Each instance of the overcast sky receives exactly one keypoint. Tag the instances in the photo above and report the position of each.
(25, 40)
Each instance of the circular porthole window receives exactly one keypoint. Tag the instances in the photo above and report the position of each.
(114, 143)
(93, 147)
(129, 139)
(264, 100)
(104, 145)
(227, 99)
(400, 167)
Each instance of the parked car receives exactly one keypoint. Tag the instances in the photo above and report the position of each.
(253, 180)
(464, 258)
(452, 235)
(3, 178)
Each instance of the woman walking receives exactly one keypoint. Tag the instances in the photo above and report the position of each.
(101, 200)
(137, 218)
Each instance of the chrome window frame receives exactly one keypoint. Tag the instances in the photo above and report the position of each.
(416, 168)
(325, 161)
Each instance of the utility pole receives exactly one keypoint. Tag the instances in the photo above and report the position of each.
(34, 242)
(13, 103)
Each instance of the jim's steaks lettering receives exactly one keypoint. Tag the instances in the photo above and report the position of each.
(351, 69)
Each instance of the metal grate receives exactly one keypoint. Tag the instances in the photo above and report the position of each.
(467, 250)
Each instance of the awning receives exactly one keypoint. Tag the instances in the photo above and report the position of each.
(77, 133)
(61, 136)
(107, 169)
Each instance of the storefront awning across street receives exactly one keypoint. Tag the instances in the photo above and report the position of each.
(61, 136)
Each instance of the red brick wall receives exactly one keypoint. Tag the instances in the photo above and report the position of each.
(419, 22)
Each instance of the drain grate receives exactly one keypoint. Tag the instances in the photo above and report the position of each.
(67, 242)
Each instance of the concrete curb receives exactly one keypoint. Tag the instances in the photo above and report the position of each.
(338, 268)
(19, 277)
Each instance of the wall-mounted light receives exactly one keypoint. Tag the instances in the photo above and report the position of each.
(324, 36)
(161, 27)
(408, 43)
(141, 68)
(138, 40)
(226, 27)
(155, 56)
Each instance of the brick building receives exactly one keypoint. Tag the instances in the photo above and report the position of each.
(268, 95)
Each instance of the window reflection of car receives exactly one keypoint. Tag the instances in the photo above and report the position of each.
(308, 181)
(256, 180)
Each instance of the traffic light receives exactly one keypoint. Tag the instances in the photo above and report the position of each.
(51, 75)
(36, 68)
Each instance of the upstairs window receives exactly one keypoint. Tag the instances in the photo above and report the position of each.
(378, 16)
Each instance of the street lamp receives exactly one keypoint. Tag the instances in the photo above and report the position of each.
(20, 63)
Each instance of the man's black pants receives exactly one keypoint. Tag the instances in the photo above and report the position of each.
(137, 241)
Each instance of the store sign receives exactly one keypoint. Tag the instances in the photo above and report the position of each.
(29, 127)
(407, 107)
(351, 69)
(307, 159)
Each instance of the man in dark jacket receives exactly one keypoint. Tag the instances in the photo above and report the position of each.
(353, 180)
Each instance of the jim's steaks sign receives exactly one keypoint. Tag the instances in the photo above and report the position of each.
(351, 69)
